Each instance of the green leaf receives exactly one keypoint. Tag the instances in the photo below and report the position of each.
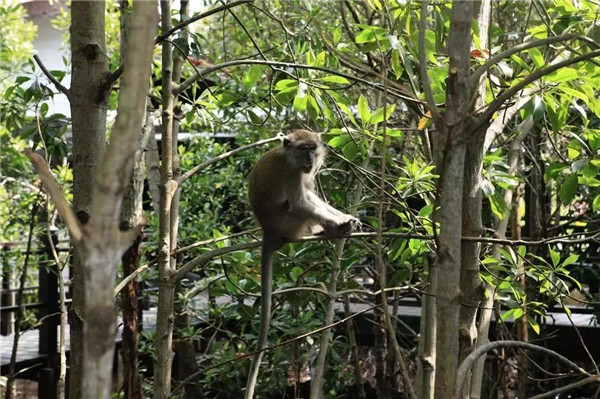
(537, 58)
(286, 83)
(339, 141)
(552, 171)
(252, 76)
(350, 150)
(365, 36)
(574, 93)
(296, 272)
(335, 79)
(570, 260)
(377, 116)
(44, 108)
(363, 110)
(507, 314)
(533, 324)
(555, 256)
(563, 75)
(568, 189)
(596, 203)
(337, 34)
(344, 108)
(300, 103)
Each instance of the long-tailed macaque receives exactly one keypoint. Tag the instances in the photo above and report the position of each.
(283, 199)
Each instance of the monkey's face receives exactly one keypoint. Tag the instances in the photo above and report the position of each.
(302, 153)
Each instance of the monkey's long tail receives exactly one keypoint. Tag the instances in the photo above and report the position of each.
(269, 248)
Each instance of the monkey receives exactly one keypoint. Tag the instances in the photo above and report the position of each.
(283, 199)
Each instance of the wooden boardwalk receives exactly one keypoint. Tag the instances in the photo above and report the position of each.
(29, 342)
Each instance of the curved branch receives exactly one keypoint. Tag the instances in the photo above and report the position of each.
(191, 80)
(62, 206)
(500, 100)
(218, 158)
(469, 360)
(51, 78)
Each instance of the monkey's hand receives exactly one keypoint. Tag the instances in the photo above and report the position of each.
(346, 225)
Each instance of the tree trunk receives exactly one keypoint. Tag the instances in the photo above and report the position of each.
(472, 226)
(89, 101)
(450, 150)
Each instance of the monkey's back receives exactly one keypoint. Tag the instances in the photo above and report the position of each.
(267, 193)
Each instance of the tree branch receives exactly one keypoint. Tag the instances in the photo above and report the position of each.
(51, 78)
(469, 360)
(191, 80)
(62, 206)
(197, 17)
(554, 393)
(116, 74)
(197, 261)
(183, 178)
(516, 49)
(500, 100)
(425, 81)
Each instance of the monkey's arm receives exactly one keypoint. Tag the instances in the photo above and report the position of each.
(317, 201)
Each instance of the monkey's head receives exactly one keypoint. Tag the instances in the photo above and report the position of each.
(305, 150)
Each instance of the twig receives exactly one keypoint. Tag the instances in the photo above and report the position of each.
(51, 78)
(62, 206)
(270, 348)
(117, 73)
(197, 17)
(554, 392)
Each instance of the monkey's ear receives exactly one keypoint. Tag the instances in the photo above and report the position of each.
(287, 143)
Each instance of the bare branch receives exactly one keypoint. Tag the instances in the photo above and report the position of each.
(425, 81)
(218, 158)
(500, 100)
(51, 78)
(62, 206)
(469, 360)
(128, 279)
(554, 393)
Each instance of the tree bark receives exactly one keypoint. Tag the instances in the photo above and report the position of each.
(89, 101)
(450, 150)
(102, 245)
(168, 186)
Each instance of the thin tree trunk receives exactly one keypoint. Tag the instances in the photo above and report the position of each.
(89, 101)
(450, 150)
(168, 187)
(472, 226)
(426, 372)
(11, 391)
(513, 158)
